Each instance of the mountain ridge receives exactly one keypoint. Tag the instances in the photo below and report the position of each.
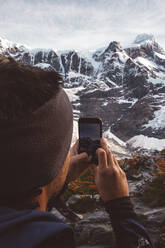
(123, 86)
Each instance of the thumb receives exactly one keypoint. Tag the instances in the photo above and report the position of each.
(82, 156)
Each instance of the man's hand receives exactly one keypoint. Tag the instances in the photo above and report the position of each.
(78, 163)
(110, 179)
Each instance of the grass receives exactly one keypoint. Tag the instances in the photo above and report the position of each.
(85, 185)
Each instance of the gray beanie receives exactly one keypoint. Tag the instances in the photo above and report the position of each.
(33, 150)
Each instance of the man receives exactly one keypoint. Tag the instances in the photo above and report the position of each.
(36, 124)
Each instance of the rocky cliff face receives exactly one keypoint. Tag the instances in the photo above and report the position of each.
(123, 86)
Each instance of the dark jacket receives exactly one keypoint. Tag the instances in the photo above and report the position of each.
(32, 228)
(128, 231)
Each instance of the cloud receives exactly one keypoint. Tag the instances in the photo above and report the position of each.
(80, 24)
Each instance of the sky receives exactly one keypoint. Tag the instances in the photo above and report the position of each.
(80, 24)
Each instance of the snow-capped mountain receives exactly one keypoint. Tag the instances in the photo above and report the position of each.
(125, 87)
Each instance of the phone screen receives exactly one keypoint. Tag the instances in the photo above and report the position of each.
(90, 132)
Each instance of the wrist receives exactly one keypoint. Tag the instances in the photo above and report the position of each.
(108, 198)
(120, 208)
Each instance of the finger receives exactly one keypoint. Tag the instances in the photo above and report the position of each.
(110, 155)
(111, 161)
(102, 158)
(84, 157)
(74, 149)
(95, 170)
(103, 142)
(77, 144)
(81, 157)
(108, 152)
(115, 161)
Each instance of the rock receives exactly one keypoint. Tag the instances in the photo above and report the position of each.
(154, 221)
(95, 229)
(73, 80)
(103, 104)
(134, 120)
(58, 215)
(73, 199)
(111, 68)
(146, 46)
(139, 171)
(136, 187)
(135, 80)
(70, 61)
(26, 58)
(113, 47)
(49, 57)
(83, 203)
(143, 169)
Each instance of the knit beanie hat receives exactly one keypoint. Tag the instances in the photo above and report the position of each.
(33, 150)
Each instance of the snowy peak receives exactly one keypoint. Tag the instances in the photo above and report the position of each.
(145, 46)
(9, 46)
(143, 37)
(114, 46)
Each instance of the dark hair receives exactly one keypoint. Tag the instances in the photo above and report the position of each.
(23, 89)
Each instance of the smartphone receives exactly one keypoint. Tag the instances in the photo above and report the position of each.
(90, 133)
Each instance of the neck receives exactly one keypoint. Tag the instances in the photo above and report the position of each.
(42, 200)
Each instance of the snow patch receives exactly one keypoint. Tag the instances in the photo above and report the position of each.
(101, 85)
(43, 65)
(88, 56)
(72, 74)
(6, 44)
(145, 62)
(156, 80)
(105, 103)
(122, 56)
(145, 142)
(161, 56)
(121, 100)
(71, 92)
(112, 83)
(159, 120)
(110, 136)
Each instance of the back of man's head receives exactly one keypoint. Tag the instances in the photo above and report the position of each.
(35, 128)
(23, 89)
